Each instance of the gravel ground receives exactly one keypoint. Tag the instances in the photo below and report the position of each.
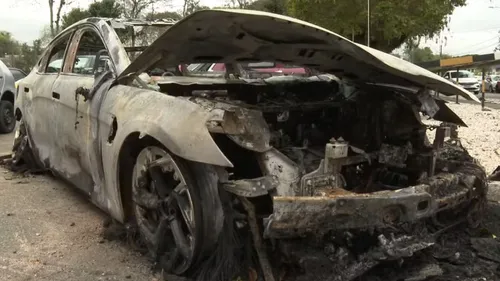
(49, 232)
(482, 136)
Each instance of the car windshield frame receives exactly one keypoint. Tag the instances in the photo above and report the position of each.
(133, 34)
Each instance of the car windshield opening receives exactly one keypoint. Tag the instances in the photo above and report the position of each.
(136, 36)
(252, 70)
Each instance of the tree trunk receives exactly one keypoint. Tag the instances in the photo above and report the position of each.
(58, 17)
(51, 6)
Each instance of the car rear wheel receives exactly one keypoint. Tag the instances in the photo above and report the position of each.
(176, 213)
(7, 118)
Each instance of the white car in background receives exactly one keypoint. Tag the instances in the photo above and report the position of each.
(7, 97)
(466, 79)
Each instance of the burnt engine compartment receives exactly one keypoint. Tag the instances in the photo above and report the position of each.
(388, 142)
(304, 115)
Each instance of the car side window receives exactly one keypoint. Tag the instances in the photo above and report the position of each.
(91, 56)
(56, 56)
(447, 76)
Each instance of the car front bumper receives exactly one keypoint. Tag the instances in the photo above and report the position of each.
(339, 209)
(472, 88)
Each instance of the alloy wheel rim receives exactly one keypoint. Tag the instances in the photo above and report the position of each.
(164, 209)
(8, 116)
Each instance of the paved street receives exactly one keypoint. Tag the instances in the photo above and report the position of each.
(50, 233)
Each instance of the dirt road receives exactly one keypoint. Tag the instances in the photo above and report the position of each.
(48, 231)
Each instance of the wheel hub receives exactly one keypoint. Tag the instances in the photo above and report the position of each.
(164, 209)
(8, 116)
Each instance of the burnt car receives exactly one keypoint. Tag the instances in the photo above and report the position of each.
(326, 175)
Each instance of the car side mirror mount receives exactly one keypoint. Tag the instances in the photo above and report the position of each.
(100, 79)
(102, 63)
(85, 92)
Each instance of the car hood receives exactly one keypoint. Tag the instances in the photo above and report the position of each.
(245, 36)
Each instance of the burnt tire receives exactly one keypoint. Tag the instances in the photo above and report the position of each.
(176, 208)
(23, 157)
(7, 118)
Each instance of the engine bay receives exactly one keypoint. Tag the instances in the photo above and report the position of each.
(379, 130)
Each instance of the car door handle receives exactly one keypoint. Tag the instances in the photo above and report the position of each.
(56, 95)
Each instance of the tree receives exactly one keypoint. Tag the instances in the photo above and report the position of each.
(45, 35)
(105, 9)
(8, 45)
(28, 55)
(75, 15)
(134, 9)
(191, 6)
(55, 22)
(272, 6)
(163, 15)
(239, 4)
(146, 35)
(392, 22)
(418, 55)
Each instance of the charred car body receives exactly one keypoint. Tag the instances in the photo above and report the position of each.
(199, 163)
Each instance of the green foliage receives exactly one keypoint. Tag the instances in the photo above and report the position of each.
(104, 8)
(8, 44)
(19, 55)
(418, 55)
(272, 6)
(392, 21)
(75, 15)
(28, 55)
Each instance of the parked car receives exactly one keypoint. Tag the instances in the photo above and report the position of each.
(7, 90)
(210, 167)
(254, 69)
(466, 79)
(17, 73)
(494, 84)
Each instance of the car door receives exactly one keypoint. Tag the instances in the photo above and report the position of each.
(40, 106)
(78, 130)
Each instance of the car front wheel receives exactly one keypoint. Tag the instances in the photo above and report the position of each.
(176, 208)
(7, 118)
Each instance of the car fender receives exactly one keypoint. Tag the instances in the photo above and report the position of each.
(179, 124)
(176, 123)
